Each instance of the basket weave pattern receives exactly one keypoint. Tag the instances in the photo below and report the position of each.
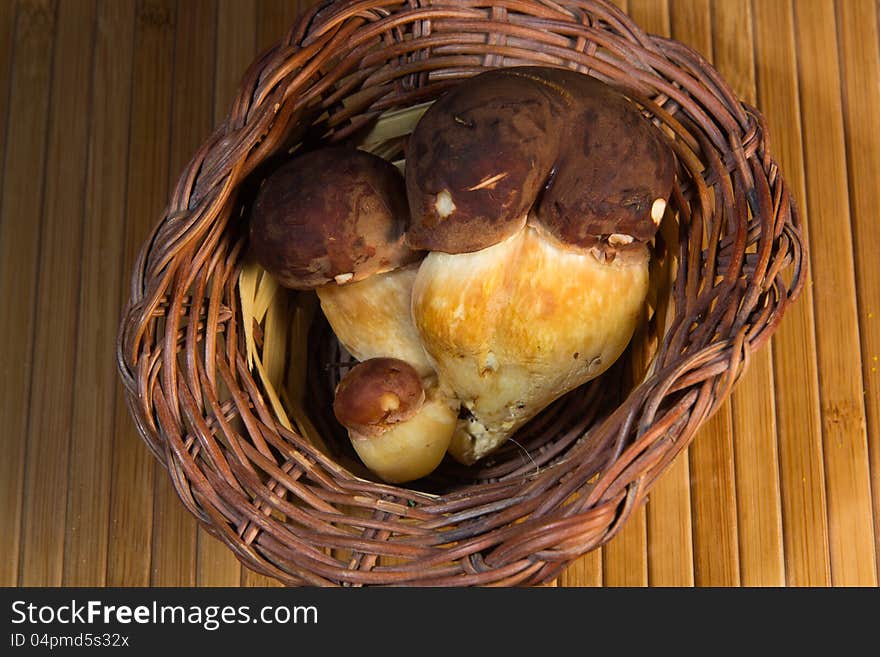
(291, 511)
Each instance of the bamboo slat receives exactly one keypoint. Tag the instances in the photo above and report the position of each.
(103, 103)
(625, 557)
(23, 175)
(859, 46)
(95, 380)
(274, 18)
(133, 478)
(585, 571)
(57, 301)
(802, 477)
(7, 48)
(845, 450)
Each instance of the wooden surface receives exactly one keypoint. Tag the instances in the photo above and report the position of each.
(780, 488)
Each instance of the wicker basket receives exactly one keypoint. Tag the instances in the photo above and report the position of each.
(300, 510)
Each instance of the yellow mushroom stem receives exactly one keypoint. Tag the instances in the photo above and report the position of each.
(514, 326)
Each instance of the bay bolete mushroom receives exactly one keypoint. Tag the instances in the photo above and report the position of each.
(333, 220)
(536, 191)
(399, 429)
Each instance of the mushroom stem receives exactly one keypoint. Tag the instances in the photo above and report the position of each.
(514, 326)
(372, 318)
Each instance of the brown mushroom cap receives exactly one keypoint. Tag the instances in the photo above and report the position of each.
(565, 147)
(377, 394)
(334, 214)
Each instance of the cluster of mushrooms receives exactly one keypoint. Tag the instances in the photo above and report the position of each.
(507, 267)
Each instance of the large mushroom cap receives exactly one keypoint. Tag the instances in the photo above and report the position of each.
(566, 147)
(334, 214)
(477, 160)
(613, 174)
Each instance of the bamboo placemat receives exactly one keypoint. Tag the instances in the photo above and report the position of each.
(103, 102)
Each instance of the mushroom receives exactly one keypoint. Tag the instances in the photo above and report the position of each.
(536, 191)
(333, 220)
(400, 430)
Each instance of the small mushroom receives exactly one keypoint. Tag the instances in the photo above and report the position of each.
(333, 220)
(536, 191)
(400, 430)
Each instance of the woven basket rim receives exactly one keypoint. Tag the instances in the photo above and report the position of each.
(290, 511)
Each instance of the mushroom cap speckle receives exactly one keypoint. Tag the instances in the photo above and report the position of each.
(569, 151)
(331, 215)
